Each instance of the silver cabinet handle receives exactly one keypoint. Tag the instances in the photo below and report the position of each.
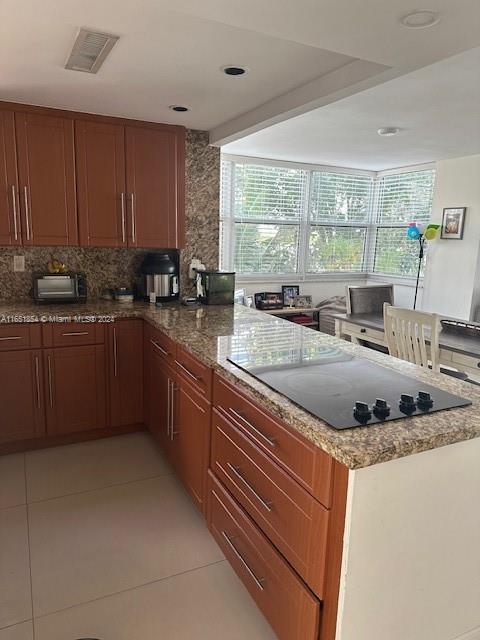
(161, 349)
(27, 212)
(173, 433)
(50, 385)
(15, 222)
(258, 581)
(12, 338)
(115, 353)
(124, 220)
(75, 333)
(268, 439)
(134, 223)
(188, 372)
(266, 504)
(169, 406)
(37, 380)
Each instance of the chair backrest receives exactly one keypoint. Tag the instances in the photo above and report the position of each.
(407, 332)
(368, 298)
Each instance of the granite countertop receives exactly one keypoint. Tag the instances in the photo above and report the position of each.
(212, 333)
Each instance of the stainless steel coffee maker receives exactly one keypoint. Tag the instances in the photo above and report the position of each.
(159, 276)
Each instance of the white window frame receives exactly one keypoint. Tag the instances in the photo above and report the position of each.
(305, 224)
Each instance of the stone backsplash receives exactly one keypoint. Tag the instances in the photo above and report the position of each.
(109, 267)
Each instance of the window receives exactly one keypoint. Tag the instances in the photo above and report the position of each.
(281, 219)
(402, 198)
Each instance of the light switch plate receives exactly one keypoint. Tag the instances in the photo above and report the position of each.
(19, 263)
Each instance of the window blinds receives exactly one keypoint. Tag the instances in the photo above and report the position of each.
(340, 197)
(405, 197)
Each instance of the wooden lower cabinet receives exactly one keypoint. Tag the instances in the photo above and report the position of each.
(289, 606)
(191, 439)
(21, 395)
(75, 389)
(125, 372)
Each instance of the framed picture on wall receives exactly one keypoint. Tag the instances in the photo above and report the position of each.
(453, 223)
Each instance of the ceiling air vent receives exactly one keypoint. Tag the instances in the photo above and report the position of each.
(90, 50)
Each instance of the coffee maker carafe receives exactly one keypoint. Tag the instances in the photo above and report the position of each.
(159, 274)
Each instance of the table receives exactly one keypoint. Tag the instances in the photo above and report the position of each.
(460, 352)
(293, 311)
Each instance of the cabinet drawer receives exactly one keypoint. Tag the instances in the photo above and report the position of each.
(20, 336)
(197, 373)
(162, 344)
(364, 333)
(294, 521)
(465, 360)
(71, 334)
(308, 464)
(285, 601)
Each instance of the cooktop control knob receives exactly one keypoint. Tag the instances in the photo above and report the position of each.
(381, 409)
(407, 404)
(424, 400)
(361, 412)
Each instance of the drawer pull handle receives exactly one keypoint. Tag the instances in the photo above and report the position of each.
(75, 333)
(161, 349)
(188, 372)
(258, 581)
(236, 471)
(268, 439)
(11, 338)
(50, 383)
(363, 331)
(37, 380)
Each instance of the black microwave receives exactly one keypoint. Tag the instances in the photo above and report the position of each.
(59, 287)
(216, 287)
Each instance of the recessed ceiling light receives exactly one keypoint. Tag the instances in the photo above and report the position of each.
(420, 19)
(234, 70)
(388, 131)
(178, 108)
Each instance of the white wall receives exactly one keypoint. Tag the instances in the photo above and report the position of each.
(411, 563)
(453, 268)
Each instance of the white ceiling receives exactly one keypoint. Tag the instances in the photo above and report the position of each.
(170, 53)
(437, 109)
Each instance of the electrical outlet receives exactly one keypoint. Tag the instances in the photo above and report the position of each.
(19, 263)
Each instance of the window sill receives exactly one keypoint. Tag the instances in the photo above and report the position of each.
(401, 280)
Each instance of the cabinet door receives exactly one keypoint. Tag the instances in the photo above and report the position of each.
(125, 343)
(10, 231)
(21, 395)
(161, 380)
(191, 438)
(100, 156)
(46, 167)
(75, 389)
(154, 187)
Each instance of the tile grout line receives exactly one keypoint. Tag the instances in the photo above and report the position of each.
(16, 624)
(28, 541)
(108, 486)
(117, 593)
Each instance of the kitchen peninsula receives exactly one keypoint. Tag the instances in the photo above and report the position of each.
(335, 533)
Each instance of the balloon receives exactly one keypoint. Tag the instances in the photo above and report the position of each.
(413, 233)
(430, 233)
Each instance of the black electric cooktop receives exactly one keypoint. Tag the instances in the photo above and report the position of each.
(343, 390)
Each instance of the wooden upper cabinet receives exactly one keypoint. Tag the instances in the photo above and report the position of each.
(46, 166)
(10, 230)
(155, 186)
(100, 163)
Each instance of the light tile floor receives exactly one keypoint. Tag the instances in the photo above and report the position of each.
(99, 540)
